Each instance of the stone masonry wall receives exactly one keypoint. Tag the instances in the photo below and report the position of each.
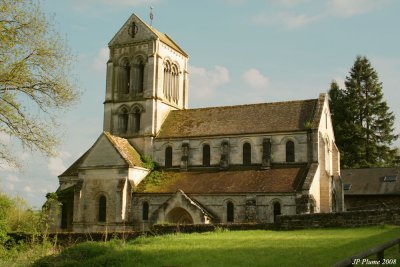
(339, 219)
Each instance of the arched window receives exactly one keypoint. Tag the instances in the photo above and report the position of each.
(229, 212)
(171, 82)
(136, 120)
(140, 77)
(277, 210)
(145, 211)
(123, 119)
(168, 157)
(64, 216)
(206, 155)
(175, 83)
(246, 154)
(167, 72)
(125, 77)
(289, 151)
(102, 209)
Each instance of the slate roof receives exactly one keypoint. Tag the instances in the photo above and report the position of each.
(123, 147)
(283, 180)
(370, 181)
(263, 118)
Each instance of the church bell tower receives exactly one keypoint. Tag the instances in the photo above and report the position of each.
(146, 79)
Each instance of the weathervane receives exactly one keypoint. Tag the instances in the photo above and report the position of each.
(133, 29)
(151, 16)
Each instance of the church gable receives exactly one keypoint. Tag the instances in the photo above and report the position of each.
(180, 208)
(134, 30)
(103, 153)
(110, 150)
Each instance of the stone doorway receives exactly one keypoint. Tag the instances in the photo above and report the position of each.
(179, 216)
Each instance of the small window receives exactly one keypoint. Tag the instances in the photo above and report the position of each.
(390, 178)
(102, 208)
(136, 121)
(246, 154)
(123, 121)
(326, 120)
(64, 216)
(229, 212)
(141, 77)
(145, 211)
(168, 157)
(346, 187)
(127, 84)
(206, 155)
(289, 151)
(277, 210)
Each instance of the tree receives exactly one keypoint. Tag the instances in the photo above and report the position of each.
(35, 78)
(362, 121)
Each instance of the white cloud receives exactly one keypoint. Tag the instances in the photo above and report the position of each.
(255, 79)
(347, 8)
(56, 165)
(289, 21)
(10, 187)
(13, 178)
(28, 189)
(203, 83)
(99, 63)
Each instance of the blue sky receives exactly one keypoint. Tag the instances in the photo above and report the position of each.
(241, 51)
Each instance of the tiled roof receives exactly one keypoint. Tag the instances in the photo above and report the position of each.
(124, 148)
(240, 181)
(73, 169)
(242, 119)
(128, 153)
(370, 181)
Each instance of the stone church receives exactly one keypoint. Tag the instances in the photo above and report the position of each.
(228, 164)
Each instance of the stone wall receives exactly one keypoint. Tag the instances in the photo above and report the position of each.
(354, 202)
(247, 207)
(278, 149)
(339, 219)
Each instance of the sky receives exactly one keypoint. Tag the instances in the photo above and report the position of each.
(240, 52)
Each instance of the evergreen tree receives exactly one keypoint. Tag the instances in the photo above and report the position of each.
(362, 121)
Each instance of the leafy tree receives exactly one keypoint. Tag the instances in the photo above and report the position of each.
(361, 118)
(34, 78)
(5, 207)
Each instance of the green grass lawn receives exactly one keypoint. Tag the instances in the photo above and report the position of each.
(230, 248)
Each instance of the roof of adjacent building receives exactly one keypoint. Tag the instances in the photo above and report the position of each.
(275, 117)
(281, 180)
(122, 146)
(372, 181)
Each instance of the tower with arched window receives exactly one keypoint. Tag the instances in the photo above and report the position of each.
(146, 69)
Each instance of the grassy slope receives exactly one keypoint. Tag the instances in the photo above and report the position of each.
(241, 248)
